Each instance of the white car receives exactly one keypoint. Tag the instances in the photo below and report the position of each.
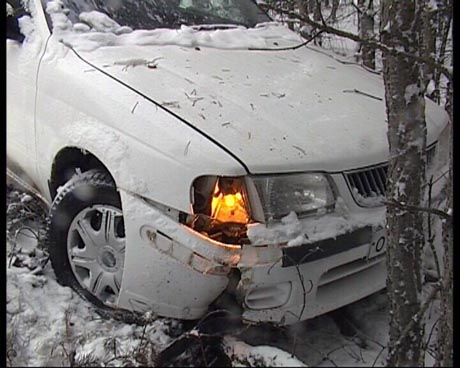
(193, 151)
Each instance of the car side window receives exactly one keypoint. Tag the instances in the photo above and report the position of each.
(14, 10)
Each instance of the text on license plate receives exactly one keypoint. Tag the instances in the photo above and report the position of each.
(378, 244)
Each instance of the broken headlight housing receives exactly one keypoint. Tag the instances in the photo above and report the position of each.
(221, 208)
(224, 206)
(305, 194)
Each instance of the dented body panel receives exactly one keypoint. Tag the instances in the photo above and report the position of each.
(169, 269)
(175, 271)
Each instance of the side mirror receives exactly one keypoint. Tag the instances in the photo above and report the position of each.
(12, 27)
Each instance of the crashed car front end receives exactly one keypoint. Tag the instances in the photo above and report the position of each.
(281, 270)
(234, 178)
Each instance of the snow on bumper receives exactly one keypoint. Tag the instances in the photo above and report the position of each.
(176, 272)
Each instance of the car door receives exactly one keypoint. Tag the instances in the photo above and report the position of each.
(24, 46)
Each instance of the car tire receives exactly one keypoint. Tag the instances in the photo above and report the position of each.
(86, 239)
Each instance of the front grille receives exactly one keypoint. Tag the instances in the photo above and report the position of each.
(370, 183)
(368, 186)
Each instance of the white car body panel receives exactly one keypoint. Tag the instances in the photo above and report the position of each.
(259, 104)
(206, 112)
(120, 131)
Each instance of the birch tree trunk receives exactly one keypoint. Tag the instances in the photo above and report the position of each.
(407, 140)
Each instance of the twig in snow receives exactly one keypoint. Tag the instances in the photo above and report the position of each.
(151, 64)
(186, 148)
(300, 149)
(173, 104)
(279, 95)
(192, 98)
(134, 107)
(378, 356)
(362, 93)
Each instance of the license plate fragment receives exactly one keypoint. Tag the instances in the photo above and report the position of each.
(378, 244)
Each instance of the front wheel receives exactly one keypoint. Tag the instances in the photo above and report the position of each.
(87, 237)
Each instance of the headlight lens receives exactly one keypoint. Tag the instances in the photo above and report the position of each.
(304, 194)
(221, 208)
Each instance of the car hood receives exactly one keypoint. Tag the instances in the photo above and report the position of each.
(277, 111)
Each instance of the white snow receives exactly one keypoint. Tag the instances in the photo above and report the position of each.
(99, 21)
(103, 31)
(9, 9)
(294, 231)
(267, 356)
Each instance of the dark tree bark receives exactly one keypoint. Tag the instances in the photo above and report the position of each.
(443, 22)
(366, 31)
(315, 8)
(429, 39)
(335, 7)
(407, 140)
(446, 323)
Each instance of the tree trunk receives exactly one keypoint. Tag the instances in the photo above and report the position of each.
(446, 323)
(366, 31)
(444, 21)
(335, 7)
(317, 17)
(429, 39)
(407, 140)
(291, 6)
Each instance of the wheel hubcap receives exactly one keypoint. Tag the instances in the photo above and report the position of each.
(96, 251)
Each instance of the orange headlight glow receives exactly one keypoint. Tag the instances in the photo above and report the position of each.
(228, 204)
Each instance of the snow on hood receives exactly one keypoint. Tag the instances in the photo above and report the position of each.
(278, 111)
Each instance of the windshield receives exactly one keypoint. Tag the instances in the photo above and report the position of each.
(151, 14)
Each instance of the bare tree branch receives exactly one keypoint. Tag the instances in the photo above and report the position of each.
(369, 43)
(411, 208)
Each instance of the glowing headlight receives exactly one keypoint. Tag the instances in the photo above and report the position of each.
(304, 194)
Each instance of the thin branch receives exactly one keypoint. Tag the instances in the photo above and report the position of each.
(369, 43)
(430, 233)
(412, 208)
(378, 356)
(290, 47)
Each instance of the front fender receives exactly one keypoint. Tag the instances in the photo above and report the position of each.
(169, 269)
(146, 149)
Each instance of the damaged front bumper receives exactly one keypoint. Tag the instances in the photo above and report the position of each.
(176, 272)
(312, 279)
